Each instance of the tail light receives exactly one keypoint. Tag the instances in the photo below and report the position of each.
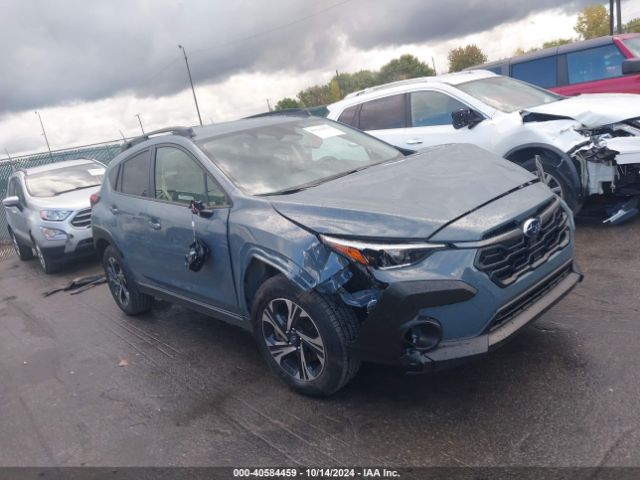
(94, 198)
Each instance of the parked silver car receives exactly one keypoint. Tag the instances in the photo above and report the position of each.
(49, 212)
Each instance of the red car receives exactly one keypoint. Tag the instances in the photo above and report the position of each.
(602, 65)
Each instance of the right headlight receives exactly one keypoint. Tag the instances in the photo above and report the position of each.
(381, 255)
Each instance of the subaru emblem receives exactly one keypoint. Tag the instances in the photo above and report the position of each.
(531, 227)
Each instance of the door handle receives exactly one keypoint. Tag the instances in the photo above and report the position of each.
(414, 141)
(114, 210)
(155, 224)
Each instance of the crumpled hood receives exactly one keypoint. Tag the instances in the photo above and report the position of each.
(410, 198)
(594, 110)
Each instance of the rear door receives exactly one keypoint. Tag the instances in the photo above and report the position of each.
(431, 122)
(385, 118)
(178, 179)
(128, 206)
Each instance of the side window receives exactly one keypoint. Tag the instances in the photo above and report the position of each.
(541, 72)
(384, 113)
(11, 189)
(348, 117)
(113, 176)
(433, 108)
(134, 175)
(594, 64)
(179, 179)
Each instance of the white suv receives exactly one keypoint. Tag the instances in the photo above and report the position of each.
(588, 144)
(49, 211)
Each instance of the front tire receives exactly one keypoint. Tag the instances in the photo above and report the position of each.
(47, 264)
(556, 180)
(123, 289)
(304, 337)
(23, 252)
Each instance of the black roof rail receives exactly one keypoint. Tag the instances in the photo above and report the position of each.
(182, 131)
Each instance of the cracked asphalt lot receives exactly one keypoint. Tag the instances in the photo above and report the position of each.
(194, 391)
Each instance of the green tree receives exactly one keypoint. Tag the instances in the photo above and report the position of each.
(557, 42)
(402, 68)
(633, 26)
(316, 95)
(592, 22)
(465, 57)
(287, 102)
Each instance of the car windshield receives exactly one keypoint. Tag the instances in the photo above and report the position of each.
(633, 44)
(294, 154)
(60, 180)
(507, 94)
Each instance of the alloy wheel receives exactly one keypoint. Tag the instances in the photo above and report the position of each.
(41, 259)
(117, 281)
(553, 183)
(15, 244)
(293, 339)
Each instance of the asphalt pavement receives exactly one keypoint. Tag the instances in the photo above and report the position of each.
(82, 384)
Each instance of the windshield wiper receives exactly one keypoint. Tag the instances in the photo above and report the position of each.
(315, 183)
(76, 188)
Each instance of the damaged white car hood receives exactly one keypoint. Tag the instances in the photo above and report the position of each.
(594, 110)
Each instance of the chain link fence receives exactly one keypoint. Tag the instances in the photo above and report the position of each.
(102, 152)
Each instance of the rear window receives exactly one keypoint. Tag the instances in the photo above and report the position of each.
(66, 179)
(348, 117)
(384, 113)
(594, 64)
(134, 175)
(540, 72)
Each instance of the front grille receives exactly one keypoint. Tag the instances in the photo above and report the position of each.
(513, 256)
(529, 298)
(82, 218)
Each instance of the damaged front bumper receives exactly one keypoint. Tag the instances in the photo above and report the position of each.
(385, 335)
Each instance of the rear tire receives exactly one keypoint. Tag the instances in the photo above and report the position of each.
(48, 265)
(556, 180)
(123, 289)
(304, 336)
(23, 252)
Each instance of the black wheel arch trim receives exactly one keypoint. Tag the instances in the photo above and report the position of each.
(566, 165)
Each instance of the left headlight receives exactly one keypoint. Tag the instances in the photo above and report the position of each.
(381, 255)
(54, 215)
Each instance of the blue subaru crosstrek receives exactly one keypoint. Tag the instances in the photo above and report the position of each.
(331, 246)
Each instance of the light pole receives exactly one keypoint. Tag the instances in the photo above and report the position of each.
(140, 122)
(191, 82)
(44, 134)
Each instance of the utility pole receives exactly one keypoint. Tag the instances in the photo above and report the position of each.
(619, 16)
(44, 134)
(191, 82)
(139, 121)
(269, 106)
(611, 17)
(433, 62)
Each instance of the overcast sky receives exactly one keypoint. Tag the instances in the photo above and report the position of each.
(90, 66)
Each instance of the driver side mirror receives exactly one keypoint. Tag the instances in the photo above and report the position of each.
(466, 117)
(631, 65)
(12, 201)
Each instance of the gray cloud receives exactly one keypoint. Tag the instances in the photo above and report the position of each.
(74, 50)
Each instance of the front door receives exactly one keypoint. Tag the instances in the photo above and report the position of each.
(17, 216)
(431, 123)
(178, 179)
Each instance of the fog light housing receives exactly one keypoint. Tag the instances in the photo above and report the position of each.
(424, 334)
(53, 233)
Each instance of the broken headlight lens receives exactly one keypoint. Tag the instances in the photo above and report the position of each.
(381, 255)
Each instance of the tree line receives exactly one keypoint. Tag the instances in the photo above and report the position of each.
(592, 22)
